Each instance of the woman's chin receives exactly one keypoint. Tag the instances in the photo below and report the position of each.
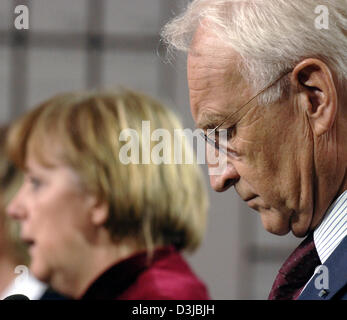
(39, 272)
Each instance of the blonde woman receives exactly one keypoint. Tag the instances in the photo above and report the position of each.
(14, 275)
(98, 228)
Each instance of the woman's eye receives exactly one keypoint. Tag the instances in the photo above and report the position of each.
(35, 182)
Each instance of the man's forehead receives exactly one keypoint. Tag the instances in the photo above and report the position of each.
(215, 82)
(209, 55)
(206, 42)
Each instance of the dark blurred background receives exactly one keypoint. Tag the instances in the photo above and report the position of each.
(87, 44)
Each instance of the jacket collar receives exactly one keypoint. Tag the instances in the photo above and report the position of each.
(115, 280)
(335, 272)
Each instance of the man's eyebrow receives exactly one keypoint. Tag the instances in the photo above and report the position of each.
(209, 120)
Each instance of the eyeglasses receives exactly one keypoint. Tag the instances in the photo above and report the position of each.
(214, 142)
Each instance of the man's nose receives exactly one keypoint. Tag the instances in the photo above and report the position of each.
(226, 179)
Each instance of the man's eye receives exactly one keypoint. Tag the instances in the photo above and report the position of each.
(230, 132)
(224, 134)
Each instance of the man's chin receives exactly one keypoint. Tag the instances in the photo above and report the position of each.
(278, 231)
(274, 222)
(281, 224)
(299, 230)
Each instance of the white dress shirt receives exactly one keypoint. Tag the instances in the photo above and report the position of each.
(332, 229)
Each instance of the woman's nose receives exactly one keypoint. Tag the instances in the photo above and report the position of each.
(16, 208)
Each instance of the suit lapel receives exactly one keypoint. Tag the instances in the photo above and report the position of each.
(335, 268)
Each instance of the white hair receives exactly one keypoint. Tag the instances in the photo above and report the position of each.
(271, 36)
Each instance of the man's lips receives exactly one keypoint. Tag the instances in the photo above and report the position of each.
(253, 202)
(250, 198)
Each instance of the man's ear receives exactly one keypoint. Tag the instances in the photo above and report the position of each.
(317, 91)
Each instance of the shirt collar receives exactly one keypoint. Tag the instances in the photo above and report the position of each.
(332, 229)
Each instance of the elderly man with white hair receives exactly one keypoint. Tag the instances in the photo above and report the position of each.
(273, 78)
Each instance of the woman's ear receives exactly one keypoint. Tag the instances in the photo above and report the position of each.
(99, 211)
(316, 88)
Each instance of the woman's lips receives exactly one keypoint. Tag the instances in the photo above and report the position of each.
(29, 242)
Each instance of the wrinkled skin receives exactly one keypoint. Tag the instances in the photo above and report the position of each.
(288, 159)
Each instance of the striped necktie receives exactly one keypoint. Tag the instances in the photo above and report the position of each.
(296, 271)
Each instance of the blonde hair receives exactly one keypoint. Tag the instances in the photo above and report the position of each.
(10, 181)
(163, 204)
(271, 36)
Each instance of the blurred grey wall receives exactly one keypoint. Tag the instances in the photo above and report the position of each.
(86, 44)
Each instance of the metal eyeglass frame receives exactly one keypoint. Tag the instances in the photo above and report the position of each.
(213, 142)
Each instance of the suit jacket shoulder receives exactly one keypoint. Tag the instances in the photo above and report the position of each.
(335, 276)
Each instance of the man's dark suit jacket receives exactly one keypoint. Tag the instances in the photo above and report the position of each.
(337, 267)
